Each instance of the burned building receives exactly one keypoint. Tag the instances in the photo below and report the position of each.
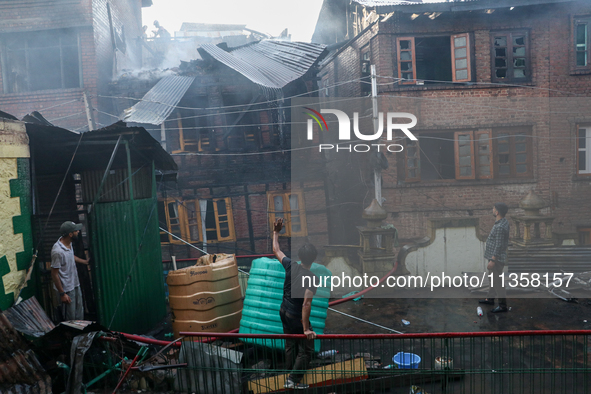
(225, 118)
(499, 90)
(52, 52)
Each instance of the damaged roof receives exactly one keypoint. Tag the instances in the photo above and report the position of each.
(54, 147)
(189, 26)
(160, 101)
(269, 63)
(20, 370)
(386, 6)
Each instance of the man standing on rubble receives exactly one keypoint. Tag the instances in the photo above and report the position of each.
(65, 274)
(296, 307)
(496, 254)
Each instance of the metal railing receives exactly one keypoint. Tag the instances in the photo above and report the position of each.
(481, 362)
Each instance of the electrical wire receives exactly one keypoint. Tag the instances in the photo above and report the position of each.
(67, 116)
(238, 105)
(481, 83)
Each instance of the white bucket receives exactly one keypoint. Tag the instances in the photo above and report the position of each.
(443, 363)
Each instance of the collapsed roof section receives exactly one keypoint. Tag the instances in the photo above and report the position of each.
(160, 101)
(269, 63)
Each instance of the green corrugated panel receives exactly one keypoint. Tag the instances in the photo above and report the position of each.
(115, 242)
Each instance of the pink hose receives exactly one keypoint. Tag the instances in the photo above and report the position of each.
(337, 302)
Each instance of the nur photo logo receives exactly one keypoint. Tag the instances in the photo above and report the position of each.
(344, 130)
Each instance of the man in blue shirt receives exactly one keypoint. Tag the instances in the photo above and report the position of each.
(295, 308)
(496, 254)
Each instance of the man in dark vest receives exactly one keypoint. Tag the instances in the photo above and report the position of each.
(296, 307)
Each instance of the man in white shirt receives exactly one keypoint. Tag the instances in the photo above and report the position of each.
(64, 273)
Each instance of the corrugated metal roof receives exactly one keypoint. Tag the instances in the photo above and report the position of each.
(386, 6)
(29, 318)
(270, 63)
(54, 146)
(159, 102)
(189, 26)
(20, 371)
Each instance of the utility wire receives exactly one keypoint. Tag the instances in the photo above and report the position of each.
(238, 105)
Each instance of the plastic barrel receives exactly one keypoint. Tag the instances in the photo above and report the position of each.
(264, 294)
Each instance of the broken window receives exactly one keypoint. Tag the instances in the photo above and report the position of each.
(186, 219)
(41, 60)
(466, 155)
(434, 59)
(268, 129)
(169, 217)
(583, 150)
(193, 127)
(365, 71)
(510, 57)
(242, 130)
(290, 207)
(513, 156)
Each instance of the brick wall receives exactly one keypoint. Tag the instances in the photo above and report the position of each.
(542, 105)
(90, 19)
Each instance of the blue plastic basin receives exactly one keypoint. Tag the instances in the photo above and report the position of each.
(406, 360)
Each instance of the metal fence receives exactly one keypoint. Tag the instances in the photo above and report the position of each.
(486, 362)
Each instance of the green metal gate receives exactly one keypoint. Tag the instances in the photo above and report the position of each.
(128, 265)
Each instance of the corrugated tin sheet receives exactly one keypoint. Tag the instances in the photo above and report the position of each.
(386, 6)
(115, 239)
(116, 186)
(549, 259)
(270, 63)
(159, 102)
(29, 318)
(189, 26)
(20, 371)
(54, 147)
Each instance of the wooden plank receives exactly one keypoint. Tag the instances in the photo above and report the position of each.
(339, 373)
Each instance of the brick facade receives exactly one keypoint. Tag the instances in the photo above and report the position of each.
(542, 105)
(89, 18)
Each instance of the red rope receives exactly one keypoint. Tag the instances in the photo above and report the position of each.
(387, 336)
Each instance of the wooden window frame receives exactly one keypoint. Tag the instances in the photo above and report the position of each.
(417, 157)
(198, 142)
(581, 231)
(180, 208)
(512, 133)
(229, 213)
(287, 214)
(455, 59)
(587, 150)
(412, 61)
(477, 154)
(365, 76)
(474, 153)
(509, 56)
(26, 38)
(576, 21)
(471, 143)
(185, 226)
